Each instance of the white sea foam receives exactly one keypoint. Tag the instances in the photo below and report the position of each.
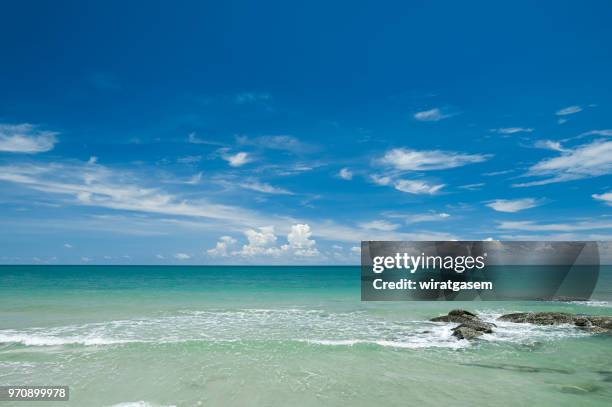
(593, 303)
(42, 340)
(312, 326)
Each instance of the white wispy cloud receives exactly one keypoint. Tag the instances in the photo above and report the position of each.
(82, 184)
(496, 173)
(238, 159)
(584, 161)
(194, 139)
(194, 179)
(566, 111)
(26, 138)
(473, 187)
(345, 174)
(531, 226)
(427, 160)
(431, 216)
(605, 197)
(182, 256)
(432, 115)
(340, 232)
(417, 187)
(264, 188)
(276, 142)
(550, 145)
(102, 187)
(512, 130)
(513, 205)
(604, 132)
(381, 225)
(381, 179)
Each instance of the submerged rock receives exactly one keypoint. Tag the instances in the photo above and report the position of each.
(606, 375)
(520, 368)
(597, 330)
(579, 388)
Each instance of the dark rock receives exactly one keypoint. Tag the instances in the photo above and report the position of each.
(601, 322)
(582, 321)
(563, 299)
(470, 327)
(457, 315)
(472, 330)
(539, 318)
(462, 312)
(480, 325)
(594, 324)
(465, 332)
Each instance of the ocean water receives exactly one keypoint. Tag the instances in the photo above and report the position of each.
(278, 336)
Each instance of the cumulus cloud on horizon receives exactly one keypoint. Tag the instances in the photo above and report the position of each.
(261, 242)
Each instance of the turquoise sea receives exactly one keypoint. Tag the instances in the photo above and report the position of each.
(280, 336)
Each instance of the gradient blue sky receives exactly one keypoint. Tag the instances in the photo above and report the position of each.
(276, 132)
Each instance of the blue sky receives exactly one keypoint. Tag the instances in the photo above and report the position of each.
(269, 132)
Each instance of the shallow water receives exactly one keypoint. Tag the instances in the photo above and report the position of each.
(273, 336)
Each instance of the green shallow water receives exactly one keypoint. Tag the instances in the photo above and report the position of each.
(277, 336)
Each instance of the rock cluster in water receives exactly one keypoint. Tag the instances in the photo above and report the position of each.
(594, 324)
(471, 326)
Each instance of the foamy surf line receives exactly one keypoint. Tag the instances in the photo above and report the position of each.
(37, 340)
(454, 344)
(315, 327)
(591, 303)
